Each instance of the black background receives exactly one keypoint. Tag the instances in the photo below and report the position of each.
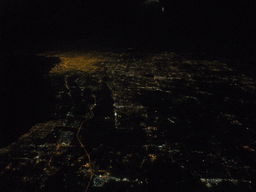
(221, 28)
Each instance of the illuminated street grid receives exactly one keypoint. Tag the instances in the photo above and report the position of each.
(151, 110)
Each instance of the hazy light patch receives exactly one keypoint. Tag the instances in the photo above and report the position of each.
(151, 1)
(75, 61)
(78, 63)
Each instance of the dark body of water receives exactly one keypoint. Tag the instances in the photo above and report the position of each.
(26, 97)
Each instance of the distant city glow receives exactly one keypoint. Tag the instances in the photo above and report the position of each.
(151, 1)
(75, 62)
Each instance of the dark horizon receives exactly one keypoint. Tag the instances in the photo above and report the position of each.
(221, 29)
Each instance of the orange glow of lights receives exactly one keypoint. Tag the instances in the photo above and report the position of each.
(247, 147)
(86, 165)
(8, 166)
(76, 63)
(152, 157)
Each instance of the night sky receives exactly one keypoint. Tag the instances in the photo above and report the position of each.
(223, 28)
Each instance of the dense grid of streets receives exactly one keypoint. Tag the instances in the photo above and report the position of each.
(148, 121)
